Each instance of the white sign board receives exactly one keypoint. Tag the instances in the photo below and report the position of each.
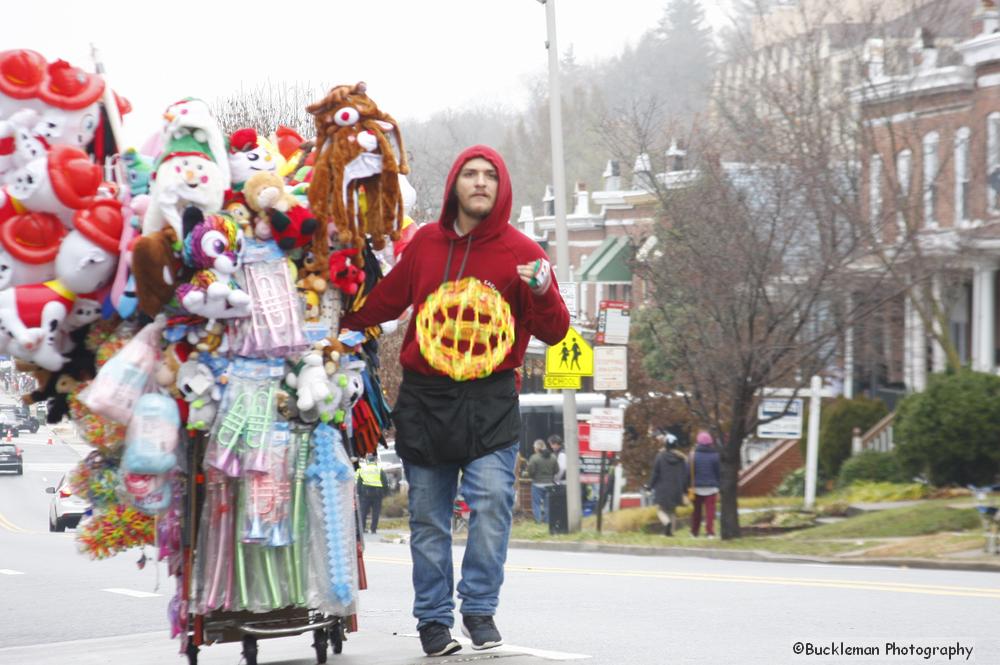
(606, 428)
(787, 423)
(610, 368)
(568, 293)
(613, 322)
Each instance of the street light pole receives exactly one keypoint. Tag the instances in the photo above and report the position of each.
(573, 507)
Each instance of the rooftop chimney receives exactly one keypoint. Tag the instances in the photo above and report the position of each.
(548, 203)
(874, 57)
(582, 208)
(986, 20)
(642, 172)
(527, 221)
(612, 176)
(923, 52)
(676, 156)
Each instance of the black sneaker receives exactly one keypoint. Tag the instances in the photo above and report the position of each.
(482, 631)
(436, 640)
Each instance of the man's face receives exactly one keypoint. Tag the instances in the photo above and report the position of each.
(476, 188)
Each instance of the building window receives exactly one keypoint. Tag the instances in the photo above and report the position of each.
(875, 195)
(992, 160)
(904, 161)
(962, 179)
(930, 179)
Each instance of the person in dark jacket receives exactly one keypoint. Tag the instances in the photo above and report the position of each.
(705, 459)
(448, 429)
(669, 480)
(542, 468)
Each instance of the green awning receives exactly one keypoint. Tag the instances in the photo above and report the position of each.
(609, 263)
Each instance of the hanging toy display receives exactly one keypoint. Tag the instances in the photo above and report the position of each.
(180, 302)
(465, 329)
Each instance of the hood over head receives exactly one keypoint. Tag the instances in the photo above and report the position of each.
(498, 219)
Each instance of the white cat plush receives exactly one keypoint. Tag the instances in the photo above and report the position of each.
(32, 315)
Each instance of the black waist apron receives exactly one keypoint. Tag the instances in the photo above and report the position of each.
(441, 421)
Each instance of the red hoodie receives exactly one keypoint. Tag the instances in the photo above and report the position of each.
(496, 249)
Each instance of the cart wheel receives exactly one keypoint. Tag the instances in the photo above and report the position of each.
(337, 636)
(250, 649)
(319, 643)
(192, 653)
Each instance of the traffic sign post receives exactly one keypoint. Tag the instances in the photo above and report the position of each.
(572, 356)
(610, 368)
(568, 292)
(613, 322)
(562, 382)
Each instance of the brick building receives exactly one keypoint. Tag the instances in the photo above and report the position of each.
(931, 177)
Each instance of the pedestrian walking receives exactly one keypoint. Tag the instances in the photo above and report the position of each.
(706, 476)
(444, 426)
(372, 483)
(669, 480)
(556, 445)
(542, 469)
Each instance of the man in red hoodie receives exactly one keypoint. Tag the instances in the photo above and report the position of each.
(443, 426)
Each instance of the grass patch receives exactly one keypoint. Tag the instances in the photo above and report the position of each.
(869, 492)
(916, 520)
(932, 546)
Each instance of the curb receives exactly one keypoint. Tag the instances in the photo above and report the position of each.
(751, 555)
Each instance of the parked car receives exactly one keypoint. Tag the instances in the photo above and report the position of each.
(8, 426)
(21, 417)
(393, 467)
(11, 459)
(66, 508)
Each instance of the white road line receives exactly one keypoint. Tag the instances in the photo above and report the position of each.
(132, 593)
(8, 571)
(515, 650)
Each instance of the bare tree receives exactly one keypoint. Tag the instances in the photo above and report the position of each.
(755, 268)
(266, 105)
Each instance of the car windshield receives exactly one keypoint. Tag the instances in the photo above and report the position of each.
(7, 449)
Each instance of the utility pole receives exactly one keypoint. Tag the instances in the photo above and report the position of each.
(573, 506)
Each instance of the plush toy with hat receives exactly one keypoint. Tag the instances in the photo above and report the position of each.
(354, 150)
(71, 113)
(61, 182)
(32, 315)
(291, 222)
(193, 117)
(187, 174)
(247, 156)
(29, 243)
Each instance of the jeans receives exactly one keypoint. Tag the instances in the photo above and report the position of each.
(488, 488)
(706, 503)
(540, 501)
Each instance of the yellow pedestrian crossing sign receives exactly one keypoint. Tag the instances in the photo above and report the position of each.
(572, 356)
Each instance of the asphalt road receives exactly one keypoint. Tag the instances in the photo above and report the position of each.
(60, 607)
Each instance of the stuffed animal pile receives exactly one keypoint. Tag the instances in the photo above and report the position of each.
(181, 303)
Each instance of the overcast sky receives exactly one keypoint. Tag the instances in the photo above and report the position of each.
(417, 56)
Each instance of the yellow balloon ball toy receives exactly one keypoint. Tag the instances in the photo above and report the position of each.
(465, 329)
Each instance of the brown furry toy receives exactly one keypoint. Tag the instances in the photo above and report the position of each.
(310, 272)
(156, 263)
(357, 146)
(292, 225)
